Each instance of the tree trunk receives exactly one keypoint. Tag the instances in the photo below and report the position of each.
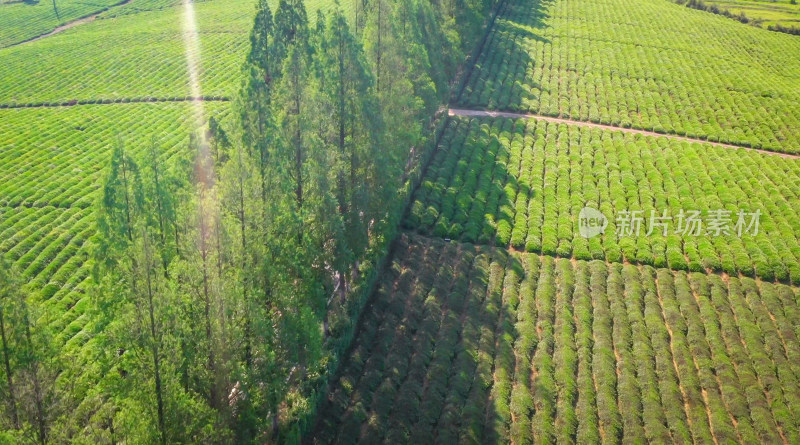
(154, 346)
(298, 157)
(7, 361)
(248, 357)
(379, 50)
(342, 287)
(160, 206)
(41, 420)
(127, 198)
(207, 304)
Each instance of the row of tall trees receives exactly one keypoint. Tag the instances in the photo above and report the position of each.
(26, 355)
(219, 273)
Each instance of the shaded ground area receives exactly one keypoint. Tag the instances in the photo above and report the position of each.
(466, 344)
(636, 67)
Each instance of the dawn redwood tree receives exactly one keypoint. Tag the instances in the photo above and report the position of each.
(293, 133)
(139, 300)
(202, 284)
(218, 141)
(376, 31)
(119, 263)
(38, 374)
(262, 69)
(350, 125)
(159, 185)
(255, 221)
(291, 28)
(10, 306)
(28, 361)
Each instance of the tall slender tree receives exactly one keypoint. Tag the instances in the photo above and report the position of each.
(350, 131)
(9, 307)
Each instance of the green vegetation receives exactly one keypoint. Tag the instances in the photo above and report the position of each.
(522, 183)
(22, 20)
(161, 283)
(467, 344)
(133, 57)
(781, 16)
(178, 269)
(54, 155)
(481, 344)
(638, 67)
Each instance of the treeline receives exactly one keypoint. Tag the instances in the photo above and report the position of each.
(714, 9)
(741, 17)
(784, 29)
(227, 282)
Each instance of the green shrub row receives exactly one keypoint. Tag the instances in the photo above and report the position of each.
(582, 60)
(523, 183)
(466, 344)
(124, 100)
(53, 157)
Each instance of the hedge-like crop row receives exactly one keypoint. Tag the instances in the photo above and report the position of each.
(20, 21)
(523, 183)
(53, 157)
(134, 56)
(610, 63)
(469, 345)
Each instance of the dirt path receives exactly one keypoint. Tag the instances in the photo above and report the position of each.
(558, 120)
(68, 25)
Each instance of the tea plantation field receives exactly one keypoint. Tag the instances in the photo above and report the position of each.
(605, 61)
(133, 56)
(520, 330)
(522, 183)
(467, 344)
(137, 55)
(765, 13)
(20, 21)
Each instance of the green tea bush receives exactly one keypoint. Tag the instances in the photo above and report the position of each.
(526, 186)
(580, 60)
(489, 346)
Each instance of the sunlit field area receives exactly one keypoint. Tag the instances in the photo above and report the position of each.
(386, 221)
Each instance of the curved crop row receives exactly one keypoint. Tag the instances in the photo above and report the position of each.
(471, 345)
(20, 21)
(524, 183)
(636, 67)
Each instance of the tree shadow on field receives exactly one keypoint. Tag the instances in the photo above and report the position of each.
(421, 366)
(501, 78)
(478, 203)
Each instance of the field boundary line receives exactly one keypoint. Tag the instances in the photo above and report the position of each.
(514, 115)
(68, 25)
(708, 272)
(122, 101)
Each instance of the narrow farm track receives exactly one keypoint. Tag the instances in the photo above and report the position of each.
(138, 100)
(513, 115)
(71, 24)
